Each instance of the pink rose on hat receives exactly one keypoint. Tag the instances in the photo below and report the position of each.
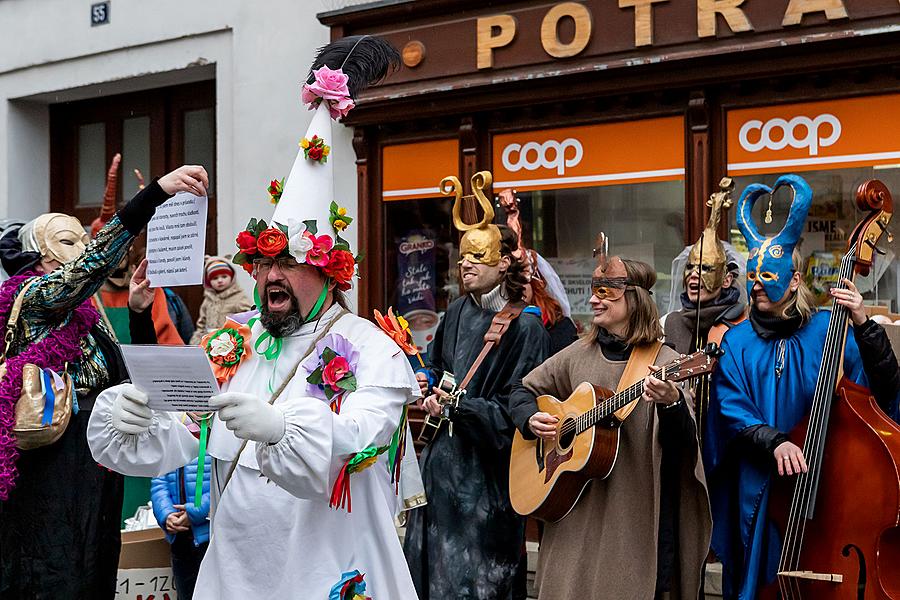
(331, 86)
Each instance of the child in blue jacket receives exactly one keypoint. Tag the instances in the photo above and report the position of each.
(186, 525)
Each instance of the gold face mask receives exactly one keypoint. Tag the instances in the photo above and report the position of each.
(610, 279)
(480, 243)
(60, 237)
(707, 257)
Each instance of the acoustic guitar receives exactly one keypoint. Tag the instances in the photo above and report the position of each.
(547, 478)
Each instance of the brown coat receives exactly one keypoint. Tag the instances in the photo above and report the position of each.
(607, 546)
(218, 305)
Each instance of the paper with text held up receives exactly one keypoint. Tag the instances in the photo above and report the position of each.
(175, 378)
(176, 241)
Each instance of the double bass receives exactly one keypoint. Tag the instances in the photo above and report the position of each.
(841, 538)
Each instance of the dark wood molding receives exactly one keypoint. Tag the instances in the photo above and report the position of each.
(698, 166)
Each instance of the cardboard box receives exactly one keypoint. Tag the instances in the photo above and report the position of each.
(145, 567)
(144, 549)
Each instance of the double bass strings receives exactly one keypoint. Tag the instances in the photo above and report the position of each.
(807, 483)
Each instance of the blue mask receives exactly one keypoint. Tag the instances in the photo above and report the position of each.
(770, 261)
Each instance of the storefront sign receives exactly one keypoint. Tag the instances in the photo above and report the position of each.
(415, 170)
(831, 134)
(595, 35)
(591, 155)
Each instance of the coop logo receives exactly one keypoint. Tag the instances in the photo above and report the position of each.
(800, 132)
(549, 155)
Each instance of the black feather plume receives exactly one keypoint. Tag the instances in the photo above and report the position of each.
(365, 59)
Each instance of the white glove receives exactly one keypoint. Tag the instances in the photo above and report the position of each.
(130, 413)
(249, 417)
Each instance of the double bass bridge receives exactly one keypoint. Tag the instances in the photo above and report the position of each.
(813, 576)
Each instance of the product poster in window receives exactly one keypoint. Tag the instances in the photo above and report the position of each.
(416, 285)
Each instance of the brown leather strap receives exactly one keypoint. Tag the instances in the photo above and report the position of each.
(636, 369)
(718, 331)
(499, 324)
(14, 317)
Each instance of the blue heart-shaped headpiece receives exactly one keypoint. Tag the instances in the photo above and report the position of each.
(770, 257)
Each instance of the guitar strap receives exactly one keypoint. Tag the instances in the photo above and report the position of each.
(499, 324)
(636, 369)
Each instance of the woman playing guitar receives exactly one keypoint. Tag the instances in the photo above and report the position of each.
(771, 376)
(643, 530)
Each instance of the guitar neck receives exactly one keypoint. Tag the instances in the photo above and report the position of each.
(610, 405)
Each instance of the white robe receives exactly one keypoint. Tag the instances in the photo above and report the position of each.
(273, 533)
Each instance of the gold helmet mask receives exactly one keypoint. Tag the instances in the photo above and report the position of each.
(480, 243)
(59, 237)
(707, 257)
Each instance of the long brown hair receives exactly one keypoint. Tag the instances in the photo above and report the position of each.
(803, 302)
(643, 322)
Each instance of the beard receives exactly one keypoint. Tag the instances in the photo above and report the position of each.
(282, 323)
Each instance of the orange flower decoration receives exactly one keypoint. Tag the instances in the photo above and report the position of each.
(398, 330)
(226, 349)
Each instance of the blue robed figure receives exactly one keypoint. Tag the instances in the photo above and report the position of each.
(764, 386)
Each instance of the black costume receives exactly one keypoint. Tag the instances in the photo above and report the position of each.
(60, 528)
(468, 542)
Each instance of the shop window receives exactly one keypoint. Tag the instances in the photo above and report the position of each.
(645, 221)
(625, 179)
(832, 217)
(835, 145)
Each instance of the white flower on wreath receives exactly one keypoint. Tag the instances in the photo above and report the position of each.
(222, 345)
(298, 240)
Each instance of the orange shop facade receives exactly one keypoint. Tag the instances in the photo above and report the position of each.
(618, 117)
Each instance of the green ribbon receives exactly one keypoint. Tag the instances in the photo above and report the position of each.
(201, 461)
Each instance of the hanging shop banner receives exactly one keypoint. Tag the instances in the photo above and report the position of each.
(416, 269)
(590, 155)
(415, 170)
(811, 136)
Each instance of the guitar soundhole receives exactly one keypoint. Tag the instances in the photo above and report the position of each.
(566, 434)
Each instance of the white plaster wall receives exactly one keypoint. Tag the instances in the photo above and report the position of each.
(258, 53)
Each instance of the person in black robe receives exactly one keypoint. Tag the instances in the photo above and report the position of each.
(60, 525)
(468, 542)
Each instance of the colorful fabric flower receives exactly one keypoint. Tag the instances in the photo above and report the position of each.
(271, 242)
(340, 358)
(341, 266)
(350, 587)
(329, 85)
(299, 240)
(276, 188)
(338, 218)
(318, 254)
(362, 460)
(226, 349)
(398, 330)
(315, 149)
(246, 242)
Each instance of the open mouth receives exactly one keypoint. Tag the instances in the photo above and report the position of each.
(694, 288)
(277, 298)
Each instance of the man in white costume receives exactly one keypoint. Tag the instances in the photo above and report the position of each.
(312, 397)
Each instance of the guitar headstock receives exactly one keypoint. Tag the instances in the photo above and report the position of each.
(874, 197)
(699, 363)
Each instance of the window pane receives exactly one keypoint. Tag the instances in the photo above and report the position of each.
(421, 259)
(832, 217)
(643, 221)
(91, 164)
(135, 154)
(200, 141)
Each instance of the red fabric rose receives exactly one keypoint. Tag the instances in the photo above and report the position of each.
(315, 152)
(340, 267)
(246, 242)
(248, 267)
(335, 371)
(271, 242)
